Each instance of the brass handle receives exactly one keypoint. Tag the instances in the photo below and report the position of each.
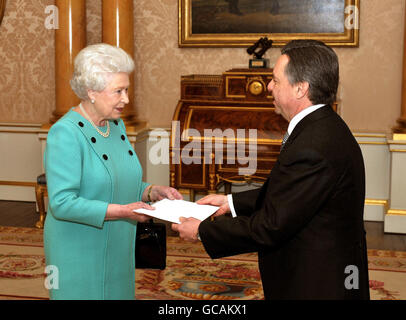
(241, 179)
(256, 86)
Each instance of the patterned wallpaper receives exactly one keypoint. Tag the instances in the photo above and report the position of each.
(27, 85)
(26, 63)
(370, 89)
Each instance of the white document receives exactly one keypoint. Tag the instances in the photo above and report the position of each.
(172, 210)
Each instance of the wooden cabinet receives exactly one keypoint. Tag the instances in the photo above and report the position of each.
(224, 131)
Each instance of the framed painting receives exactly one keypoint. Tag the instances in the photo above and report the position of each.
(2, 9)
(240, 23)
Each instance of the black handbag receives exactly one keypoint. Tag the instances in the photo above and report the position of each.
(150, 246)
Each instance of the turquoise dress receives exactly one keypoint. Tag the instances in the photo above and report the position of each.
(85, 172)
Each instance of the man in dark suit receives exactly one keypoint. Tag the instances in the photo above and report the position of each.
(306, 221)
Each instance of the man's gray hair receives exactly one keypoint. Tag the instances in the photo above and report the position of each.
(314, 62)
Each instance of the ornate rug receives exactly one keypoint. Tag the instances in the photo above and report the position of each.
(190, 273)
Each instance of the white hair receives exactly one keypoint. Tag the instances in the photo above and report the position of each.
(93, 66)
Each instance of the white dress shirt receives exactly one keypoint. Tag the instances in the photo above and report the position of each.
(292, 124)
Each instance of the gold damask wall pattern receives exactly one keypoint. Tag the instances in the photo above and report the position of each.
(26, 63)
(370, 87)
(27, 67)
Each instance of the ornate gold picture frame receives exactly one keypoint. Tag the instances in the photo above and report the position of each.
(240, 23)
(2, 9)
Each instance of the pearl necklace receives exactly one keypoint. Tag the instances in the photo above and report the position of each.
(106, 134)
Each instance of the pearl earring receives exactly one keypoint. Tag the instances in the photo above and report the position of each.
(92, 101)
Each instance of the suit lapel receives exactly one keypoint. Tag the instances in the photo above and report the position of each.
(323, 112)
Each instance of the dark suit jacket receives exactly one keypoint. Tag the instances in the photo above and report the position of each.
(306, 222)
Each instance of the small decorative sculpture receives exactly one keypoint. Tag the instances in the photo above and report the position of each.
(258, 49)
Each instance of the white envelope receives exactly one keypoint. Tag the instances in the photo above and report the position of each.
(172, 210)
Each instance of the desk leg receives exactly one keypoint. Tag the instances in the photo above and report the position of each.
(192, 195)
(40, 194)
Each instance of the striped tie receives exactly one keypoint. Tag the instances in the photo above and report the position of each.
(285, 138)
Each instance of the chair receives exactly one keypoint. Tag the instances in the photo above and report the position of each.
(40, 193)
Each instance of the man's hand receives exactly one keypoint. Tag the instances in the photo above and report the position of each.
(216, 200)
(188, 228)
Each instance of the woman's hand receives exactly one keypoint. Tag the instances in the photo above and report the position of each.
(118, 211)
(161, 192)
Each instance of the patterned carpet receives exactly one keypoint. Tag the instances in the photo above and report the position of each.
(190, 273)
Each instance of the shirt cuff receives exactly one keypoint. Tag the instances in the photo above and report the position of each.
(231, 205)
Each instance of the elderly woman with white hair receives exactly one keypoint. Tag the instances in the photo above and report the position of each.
(94, 181)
